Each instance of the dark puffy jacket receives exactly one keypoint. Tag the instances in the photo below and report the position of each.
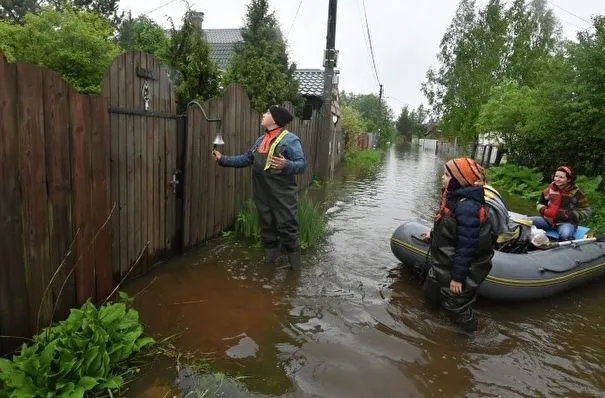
(462, 241)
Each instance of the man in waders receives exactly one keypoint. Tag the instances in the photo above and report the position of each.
(276, 157)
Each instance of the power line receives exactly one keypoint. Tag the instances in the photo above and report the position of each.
(159, 7)
(370, 41)
(294, 20)
(363, 32)
(396, 99)
(570, 13)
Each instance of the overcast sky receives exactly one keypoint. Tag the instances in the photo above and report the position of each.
(405, 35)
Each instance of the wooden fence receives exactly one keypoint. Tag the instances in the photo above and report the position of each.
(54, 168)
(97, 188)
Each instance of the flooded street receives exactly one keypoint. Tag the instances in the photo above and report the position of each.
(352, 323)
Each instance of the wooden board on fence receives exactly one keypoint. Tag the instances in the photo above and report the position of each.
(32, 167)
(138, 60)
(101, 208)
(82, 195)
(14, 301)
(230, 129)
(56, 126)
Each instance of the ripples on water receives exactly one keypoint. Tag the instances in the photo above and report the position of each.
(352, 323)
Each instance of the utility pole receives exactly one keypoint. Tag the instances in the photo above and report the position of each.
(379, 114)
(327, 130)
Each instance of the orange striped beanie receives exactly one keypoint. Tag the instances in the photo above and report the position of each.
(466, 172)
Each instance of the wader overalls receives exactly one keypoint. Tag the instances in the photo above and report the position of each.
(275, 196)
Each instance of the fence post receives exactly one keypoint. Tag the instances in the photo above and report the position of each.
(489, 155)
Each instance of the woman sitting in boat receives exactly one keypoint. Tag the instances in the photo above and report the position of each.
(562, 205)
(462, 243)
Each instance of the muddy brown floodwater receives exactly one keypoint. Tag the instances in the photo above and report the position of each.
(351, 322)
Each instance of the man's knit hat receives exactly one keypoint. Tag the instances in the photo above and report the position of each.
(280, 115)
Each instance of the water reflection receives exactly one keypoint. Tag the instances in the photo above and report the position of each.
(352, 322)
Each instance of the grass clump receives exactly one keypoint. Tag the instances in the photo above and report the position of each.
(364, 160)
(311, 222)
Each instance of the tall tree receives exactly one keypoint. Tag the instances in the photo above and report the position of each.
(377, 116)
(533, 37)
(260, 63)
(352, 124)
(143, 34)
(587, 108)
(411, 121)
(440, 82)
(405, 124)
(195, 73)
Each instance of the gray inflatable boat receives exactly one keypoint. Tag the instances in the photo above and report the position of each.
(533, 275)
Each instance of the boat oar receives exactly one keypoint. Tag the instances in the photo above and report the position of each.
(575, 242)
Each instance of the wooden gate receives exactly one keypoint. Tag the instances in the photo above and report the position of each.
(144, 173)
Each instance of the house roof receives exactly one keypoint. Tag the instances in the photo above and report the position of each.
(221, 43)
(223, 36)
(310, 81)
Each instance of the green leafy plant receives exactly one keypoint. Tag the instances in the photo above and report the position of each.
(517, 180)
(85, 354)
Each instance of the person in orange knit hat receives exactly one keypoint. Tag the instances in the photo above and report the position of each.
(462, 243)
(562, 205)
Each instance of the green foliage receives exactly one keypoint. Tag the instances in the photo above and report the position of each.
(517, 180)
(480, 49)
(311, 222)
(363, 161)
(376, 115)
(352, 124)
(195, 73)
(77, 45)
(260, 63)
(247, 223)
(84, 354)
(561, 119)
(504, 72)
(143, 34)
(505, 112)
(16, 10)
(529, 183)
(411, 121)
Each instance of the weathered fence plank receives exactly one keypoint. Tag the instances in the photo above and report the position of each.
(136, 209)
(56, 126)
(33, 185)
(82, 195)
(101, 199)
(15, 313)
